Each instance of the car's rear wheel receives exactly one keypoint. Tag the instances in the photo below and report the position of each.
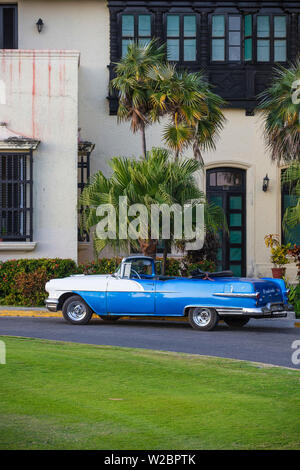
(236, 322)
(111, 318)
(204, 319)
(76, 311)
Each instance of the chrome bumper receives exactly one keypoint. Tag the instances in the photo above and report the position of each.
(52, 305)
(268, 311)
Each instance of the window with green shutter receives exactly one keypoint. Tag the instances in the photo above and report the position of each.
(227, 33)
(181, 38)
(271, 38)
(135, 28)
(263, 39)
(280, 35)
(248, 38)
(218, 38)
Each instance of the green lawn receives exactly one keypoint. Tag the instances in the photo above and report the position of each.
(57, 395)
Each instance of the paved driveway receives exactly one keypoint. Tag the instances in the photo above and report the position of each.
(268, 341)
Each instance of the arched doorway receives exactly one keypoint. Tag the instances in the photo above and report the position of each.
(226, 187)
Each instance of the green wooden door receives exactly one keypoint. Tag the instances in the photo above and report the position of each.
(226, 187)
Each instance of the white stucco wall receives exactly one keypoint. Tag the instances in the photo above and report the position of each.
(84, 26)
(41, 101)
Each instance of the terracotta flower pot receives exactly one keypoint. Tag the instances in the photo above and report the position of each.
(278, 273)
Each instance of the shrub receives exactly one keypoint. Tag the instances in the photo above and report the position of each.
(30, 287)
(279, 252)
(17, 275)
(102, 266)
(22, 282)
(204, 265)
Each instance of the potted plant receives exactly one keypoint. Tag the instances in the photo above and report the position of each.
(294, 252)
(279, 255)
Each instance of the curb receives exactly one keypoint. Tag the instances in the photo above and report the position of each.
(44, 313)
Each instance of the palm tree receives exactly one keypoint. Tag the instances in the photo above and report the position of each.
(281, 114)
(291, 177)
(133, 85)
(155, 180)
(195, 116)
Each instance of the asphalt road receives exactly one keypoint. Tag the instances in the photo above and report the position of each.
(268, 341)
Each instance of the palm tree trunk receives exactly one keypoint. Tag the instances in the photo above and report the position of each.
(165, 257)
(148, 247)
(176, 155)
(144, 142)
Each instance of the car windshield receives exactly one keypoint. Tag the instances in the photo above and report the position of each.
(141, 266)
(138, 268)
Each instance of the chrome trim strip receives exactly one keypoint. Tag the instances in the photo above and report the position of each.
(237, 294)
(51, 305)
(265, 311)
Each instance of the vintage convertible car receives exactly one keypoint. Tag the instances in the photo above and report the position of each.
(136, 290)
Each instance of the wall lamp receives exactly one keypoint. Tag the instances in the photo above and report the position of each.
(266, 181)
(40, 25)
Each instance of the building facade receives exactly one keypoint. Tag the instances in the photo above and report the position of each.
(55, 81)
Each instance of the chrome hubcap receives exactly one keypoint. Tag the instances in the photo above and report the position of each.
(201, 316)
(76, 311)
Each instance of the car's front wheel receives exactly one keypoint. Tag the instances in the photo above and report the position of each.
(76, 311)
(236, 322)
(204, 319)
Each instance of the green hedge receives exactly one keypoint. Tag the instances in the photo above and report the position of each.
(22, 281)
(294, 298)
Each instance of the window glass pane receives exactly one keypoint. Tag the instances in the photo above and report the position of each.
(280, 26)
(248, 25)
(218, 200)
(218, 25)
(248, 49)
(227, 178)
(236, 269)
(212, 179)
(234, 38)
(234, 53)
(144, 25)
(263, 51)
(235, 237)
(128, 25)
(190, 26)
(173, 49)
(280, 51)
(219, 256)
(125, 44)
(263, 26)
(218, 49)
(144, 42)
(190, 49)
(235, 202)
(173, 25)
(234, 23)
(235, 254)
(235, 220)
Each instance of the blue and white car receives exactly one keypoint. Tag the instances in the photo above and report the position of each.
(136, 290)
